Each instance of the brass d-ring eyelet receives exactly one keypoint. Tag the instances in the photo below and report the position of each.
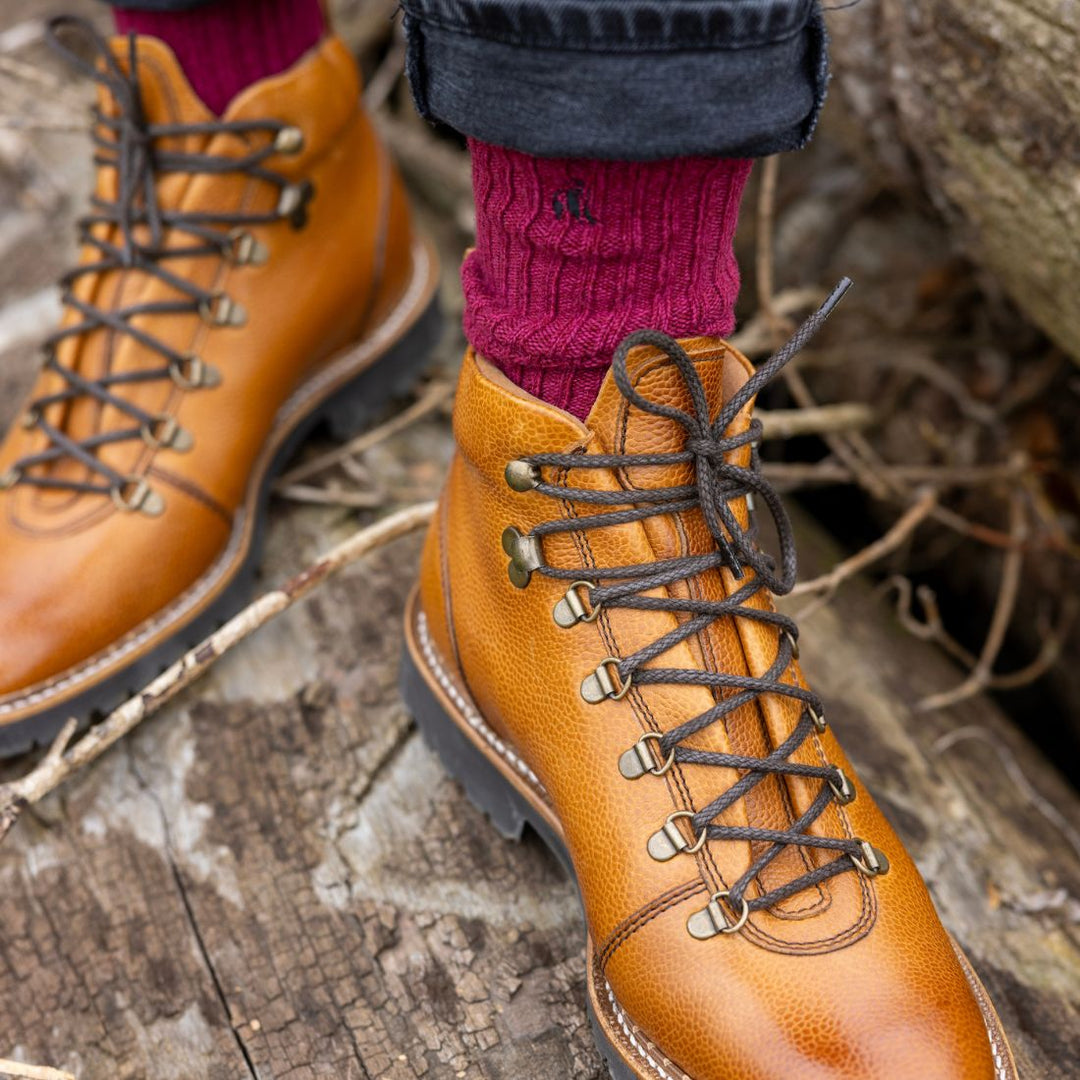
(639, 759)
(713, 919)
(606, 682)
(874, 861)
(163, 432)
(191, 372)
(218, 309)
(10, 477)
(135, 495)
(842, 788)
(245, 250)
(669, 840)
(818, 720)
(293, 202)
(571, 609)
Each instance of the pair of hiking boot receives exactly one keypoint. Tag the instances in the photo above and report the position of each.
(592, 647)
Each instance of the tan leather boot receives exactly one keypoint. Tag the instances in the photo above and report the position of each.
(240, 280)
(594, 652)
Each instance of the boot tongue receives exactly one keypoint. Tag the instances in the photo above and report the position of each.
(621, 427)
(167, 96)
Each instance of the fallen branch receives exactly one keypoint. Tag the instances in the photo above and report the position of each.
(332, 496)
(32, 1072)
(63, 759)
(822, 420)
(756, 337)
(901, 530)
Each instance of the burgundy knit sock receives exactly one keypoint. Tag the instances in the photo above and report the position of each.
(227, 45)
(571, 256)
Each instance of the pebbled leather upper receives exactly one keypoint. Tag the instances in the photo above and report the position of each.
(853, 978)
(78, 575)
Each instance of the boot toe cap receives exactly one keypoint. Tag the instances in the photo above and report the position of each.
(727, 1008)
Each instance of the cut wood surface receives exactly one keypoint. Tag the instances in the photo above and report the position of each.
(985, 99)
(274, 878)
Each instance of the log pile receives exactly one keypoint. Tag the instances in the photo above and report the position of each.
(983, 101)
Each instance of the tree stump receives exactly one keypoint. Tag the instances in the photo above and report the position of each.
(985, 99)
(274, 877)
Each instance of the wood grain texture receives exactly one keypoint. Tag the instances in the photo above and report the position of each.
(275, 879)
(984, 101)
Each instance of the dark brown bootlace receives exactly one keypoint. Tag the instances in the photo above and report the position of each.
(133, 147)
(716, 484)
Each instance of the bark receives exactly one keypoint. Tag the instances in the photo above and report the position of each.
(983, 100)
(274, 878)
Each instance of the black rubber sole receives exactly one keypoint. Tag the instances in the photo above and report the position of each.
(344, 413)
(490, 792)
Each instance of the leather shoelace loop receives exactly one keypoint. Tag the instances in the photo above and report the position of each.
(717, 485)
(136, 233)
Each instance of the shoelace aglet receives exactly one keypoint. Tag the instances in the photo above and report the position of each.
(834, 298)
(734, 565)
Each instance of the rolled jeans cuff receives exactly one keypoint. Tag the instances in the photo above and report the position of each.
(624, 81)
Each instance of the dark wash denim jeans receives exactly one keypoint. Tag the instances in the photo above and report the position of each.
(629, 80)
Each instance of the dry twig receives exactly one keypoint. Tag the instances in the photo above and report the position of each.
(825, 419)
(64, 758)
(931, 627)
(901, 531)
(766, 220)
(797, 474)
(32, 1072)
(386, 76)
(982, 674)
(333, 495)
(436, 394)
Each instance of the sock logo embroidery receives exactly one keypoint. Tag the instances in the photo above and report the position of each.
(571, 200)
